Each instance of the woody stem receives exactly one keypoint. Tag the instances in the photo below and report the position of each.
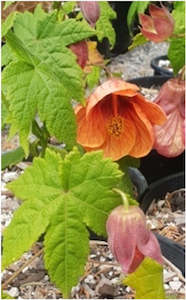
(124, 198)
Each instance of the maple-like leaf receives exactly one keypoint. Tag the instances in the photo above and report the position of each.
(147, 280)
(62, 197)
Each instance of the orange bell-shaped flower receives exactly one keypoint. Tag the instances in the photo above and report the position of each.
(118, 120)
(158, 26)
(170, 138)
(129, 239)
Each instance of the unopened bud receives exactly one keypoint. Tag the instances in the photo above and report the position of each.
(90, 11)
(129, 239)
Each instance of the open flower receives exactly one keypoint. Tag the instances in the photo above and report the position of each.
(118, 120)
(129, 239)
(170, 138)
(159, 25)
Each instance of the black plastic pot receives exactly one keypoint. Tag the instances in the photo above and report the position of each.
(160, 70)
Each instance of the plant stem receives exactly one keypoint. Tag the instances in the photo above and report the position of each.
(124, 198)
(4, 285)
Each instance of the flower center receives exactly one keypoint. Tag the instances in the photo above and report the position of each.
(115, 126)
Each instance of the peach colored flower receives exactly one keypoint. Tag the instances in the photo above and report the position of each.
(129, 239)
(170, 138)
(118, 120)
(159, 25)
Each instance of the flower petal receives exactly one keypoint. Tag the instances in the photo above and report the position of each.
(150, 248)
(91, 131)
(153, 111)
(144, 132)
(117, 147)
(108, 87)
(169, 138)
(146, 23)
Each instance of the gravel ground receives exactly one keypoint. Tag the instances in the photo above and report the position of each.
(136, 63)
(102, 278)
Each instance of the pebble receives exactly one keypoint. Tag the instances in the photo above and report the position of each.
(175, 285)
(102, 259)
(9, 176)
(166, 286)
(90, 279)
(13, 292)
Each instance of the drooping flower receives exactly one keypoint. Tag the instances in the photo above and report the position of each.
(129, 239)
(170, 138)
(90, 11)
(118, 120)
(80, 49)
(159, 25)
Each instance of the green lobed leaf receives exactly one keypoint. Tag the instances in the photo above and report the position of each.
(67, 242)
(6, 55)
(62, 197)
(147, 280)
(34, 84)
(33, 31)
(178, 14)
(176, 53)
(103, 25)
(12, 157)
(69, 6)
(93, 77)
(138, 40)
(135, 8)
(8, 23)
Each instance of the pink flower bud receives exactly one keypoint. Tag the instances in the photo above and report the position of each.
(129, 239)
(159, 25)
(80, 49)
(90, 11)
(169, 138)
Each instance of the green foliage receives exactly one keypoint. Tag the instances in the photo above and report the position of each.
(93, 77)
(179, 17)
(44, 77)
(69, 6)
(147, 280)
(8, 23)
(6, 55)
(138, 40)
(103, 25)
(6, 296)
(11, 158)
(8, 3)
(62, 197)
(136, 7)
(126, 184)
(176, 53)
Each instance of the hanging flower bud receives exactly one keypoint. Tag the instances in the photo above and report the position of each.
(80, 49)
(159, 25)
(169, 138)
(129, 239)
(90, 11)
